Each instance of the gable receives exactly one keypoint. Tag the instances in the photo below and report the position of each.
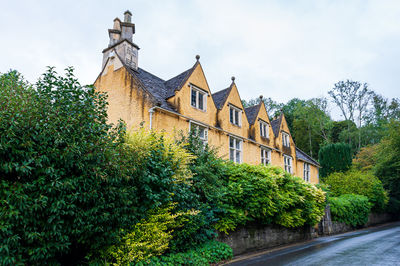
(194, 79)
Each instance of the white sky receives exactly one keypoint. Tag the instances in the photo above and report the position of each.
(279, 49)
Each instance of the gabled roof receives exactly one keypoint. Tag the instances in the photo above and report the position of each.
(301, 155)
(252, 112)
(177, 82)
(221, 96)
(160, 89)
(276, 124)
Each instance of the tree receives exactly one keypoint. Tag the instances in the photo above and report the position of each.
(334, 157)
(387, 166)
(352, 97)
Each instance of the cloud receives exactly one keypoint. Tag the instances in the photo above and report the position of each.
(281, 49)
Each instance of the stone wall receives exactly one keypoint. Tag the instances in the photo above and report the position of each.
(251, 238)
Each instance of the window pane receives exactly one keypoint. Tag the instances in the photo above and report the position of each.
(236, 117)
(238, 144)
(231, 115)
(200, 100)
(231, 143)
(238, 156)
(201, 132)
(194, 98)
(232, 155)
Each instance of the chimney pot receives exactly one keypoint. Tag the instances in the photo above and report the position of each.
(127, 16)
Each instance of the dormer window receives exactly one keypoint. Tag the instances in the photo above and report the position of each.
(285, 139)
(235, 115)
(198, 98)
(264, 129)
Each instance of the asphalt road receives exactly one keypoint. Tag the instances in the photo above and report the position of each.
(372, 246)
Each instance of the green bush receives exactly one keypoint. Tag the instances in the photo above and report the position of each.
(334, 157)
(360, 183)
(206, 254)
(350, 209)
(269, 195)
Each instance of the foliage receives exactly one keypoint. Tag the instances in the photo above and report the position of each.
(365, 160)
(360, 183)
(69, 181)
(334, 158)
(206, 254)
(149, 237)
(268, 195)
(205, 193)
(350, 209)
(387, 166)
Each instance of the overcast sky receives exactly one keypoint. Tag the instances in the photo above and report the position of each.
(279, 49)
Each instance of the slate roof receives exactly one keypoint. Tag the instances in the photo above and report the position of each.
(276, 124)
(160, 89)
(252, 112)
(221, 96)
(176, 83)
(301, 155)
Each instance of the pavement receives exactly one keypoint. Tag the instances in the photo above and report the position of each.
(378, 245)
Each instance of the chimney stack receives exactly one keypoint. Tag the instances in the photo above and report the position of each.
(121, 43)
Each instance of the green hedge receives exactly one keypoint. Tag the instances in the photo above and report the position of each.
(359, 183)
(209, 253)
(350, 209)
(268, 195)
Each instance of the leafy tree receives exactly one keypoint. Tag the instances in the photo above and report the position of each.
(69, 181)
(387, 166)
(352, 97)
(334, 157)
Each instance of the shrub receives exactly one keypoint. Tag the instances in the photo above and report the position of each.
(360, 183)
(268, 195)
(334, 158)
(150, 237)
(350, 209)
(206, 254)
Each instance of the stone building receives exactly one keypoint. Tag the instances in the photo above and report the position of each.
(185, 102)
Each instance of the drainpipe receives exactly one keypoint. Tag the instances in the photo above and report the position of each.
(151, 111)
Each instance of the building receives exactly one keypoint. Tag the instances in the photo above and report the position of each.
(185, 102)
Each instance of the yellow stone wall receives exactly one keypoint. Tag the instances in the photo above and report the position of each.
(129, 102)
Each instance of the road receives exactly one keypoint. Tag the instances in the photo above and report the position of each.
(372, 246)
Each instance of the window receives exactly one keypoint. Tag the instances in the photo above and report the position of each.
(235, 116)
(200, 131)
(285, 139)
(265, 156)
(264, 129)
(307, 172)
(235, 149)
(198, 98)
(288, 163)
